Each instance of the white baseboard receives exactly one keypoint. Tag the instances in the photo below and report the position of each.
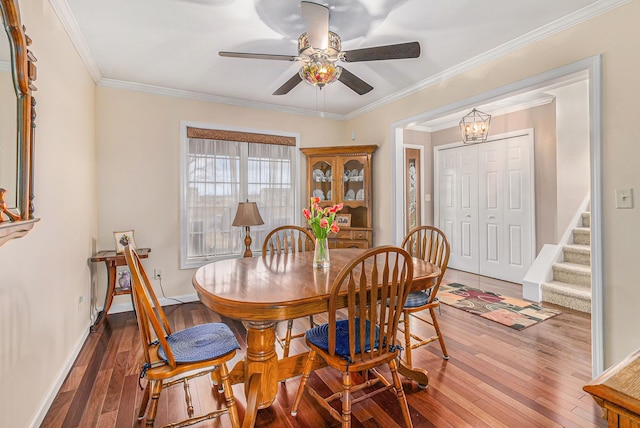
(62, 375)
(164, 301)
(121, 307)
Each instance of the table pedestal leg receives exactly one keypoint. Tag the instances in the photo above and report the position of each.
(415, 373)
(262, 358)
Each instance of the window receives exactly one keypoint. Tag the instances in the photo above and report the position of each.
(222, 168)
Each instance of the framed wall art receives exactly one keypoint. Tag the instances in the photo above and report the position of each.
(123, 239)
(343, 220)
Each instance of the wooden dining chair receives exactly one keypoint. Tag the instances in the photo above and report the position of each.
(171, 358)
(285, 240)
(366, 338)
(428, 243)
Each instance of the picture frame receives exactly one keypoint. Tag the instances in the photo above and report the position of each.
(343, 220)
(122, 239)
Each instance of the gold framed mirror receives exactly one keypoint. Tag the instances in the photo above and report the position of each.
(16, 126)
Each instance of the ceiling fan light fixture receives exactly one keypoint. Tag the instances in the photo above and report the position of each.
(474, 127)
(320, 72)
(332, 50)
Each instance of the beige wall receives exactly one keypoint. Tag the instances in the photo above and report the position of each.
(543, 121)
(44, 273)
(572, 133)
(614, 35)
(139, 168)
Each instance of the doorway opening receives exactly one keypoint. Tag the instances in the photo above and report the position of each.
(590, 69)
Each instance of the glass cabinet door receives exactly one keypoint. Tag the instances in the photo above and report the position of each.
(353, 181)
(322, 180)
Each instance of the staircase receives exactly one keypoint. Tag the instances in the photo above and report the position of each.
(571, 284)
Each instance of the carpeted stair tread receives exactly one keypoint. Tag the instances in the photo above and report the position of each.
(578, 248)
(576, 253)
(573, 273)
(567, 295)
(582, 235)
(586, 219)
(567, 289)
(572, 268)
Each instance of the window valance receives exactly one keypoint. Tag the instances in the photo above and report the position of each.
(245, 137)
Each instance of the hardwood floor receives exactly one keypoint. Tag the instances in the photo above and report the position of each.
(496, 376)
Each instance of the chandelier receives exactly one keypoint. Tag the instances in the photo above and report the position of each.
(475, 127)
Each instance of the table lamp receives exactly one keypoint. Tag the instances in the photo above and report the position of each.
(247, 215)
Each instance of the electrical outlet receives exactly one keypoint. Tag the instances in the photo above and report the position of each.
(157, 274)
(82, 299)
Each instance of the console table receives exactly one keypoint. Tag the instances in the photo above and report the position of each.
(617, 391)
(112, 260)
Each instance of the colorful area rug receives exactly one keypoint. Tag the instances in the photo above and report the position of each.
(514, 313)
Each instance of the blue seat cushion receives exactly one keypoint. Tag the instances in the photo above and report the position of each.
(200, 343)
(417, 298)
(319, 336)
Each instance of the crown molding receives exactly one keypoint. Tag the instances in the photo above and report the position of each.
(70, 25)
(61, 8)
(198, 96)
(575, 18)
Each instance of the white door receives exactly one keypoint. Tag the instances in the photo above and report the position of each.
(467, 208)
(519, 217)
(446, 200)
(490, 225)
(490, 208)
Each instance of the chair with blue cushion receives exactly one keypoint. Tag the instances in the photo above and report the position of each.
(428, 243)
(285, 240)
(177, 357)
(366, 338)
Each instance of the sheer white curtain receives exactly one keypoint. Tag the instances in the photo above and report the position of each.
(222, 173)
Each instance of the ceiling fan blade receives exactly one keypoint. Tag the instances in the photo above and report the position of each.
(316, 17)
(399, 51)
(257, 56)
(288, 85)
(354, 82)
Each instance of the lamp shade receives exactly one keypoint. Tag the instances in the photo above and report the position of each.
(247, 215)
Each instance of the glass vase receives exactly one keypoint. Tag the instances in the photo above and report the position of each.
(321, 254)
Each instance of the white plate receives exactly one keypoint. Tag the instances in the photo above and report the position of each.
(354, 173)
(318, 175)
(319, 193)
(360, 195)
(362, 172)
(328, 195)
(350, 196)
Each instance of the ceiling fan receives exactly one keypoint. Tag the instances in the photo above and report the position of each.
(320, 49)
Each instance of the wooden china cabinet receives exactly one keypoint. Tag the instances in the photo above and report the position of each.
(343, 175)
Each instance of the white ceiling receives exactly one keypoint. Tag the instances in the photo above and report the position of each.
(171, 46)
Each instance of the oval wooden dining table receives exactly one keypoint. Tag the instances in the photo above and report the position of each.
(263, 290)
